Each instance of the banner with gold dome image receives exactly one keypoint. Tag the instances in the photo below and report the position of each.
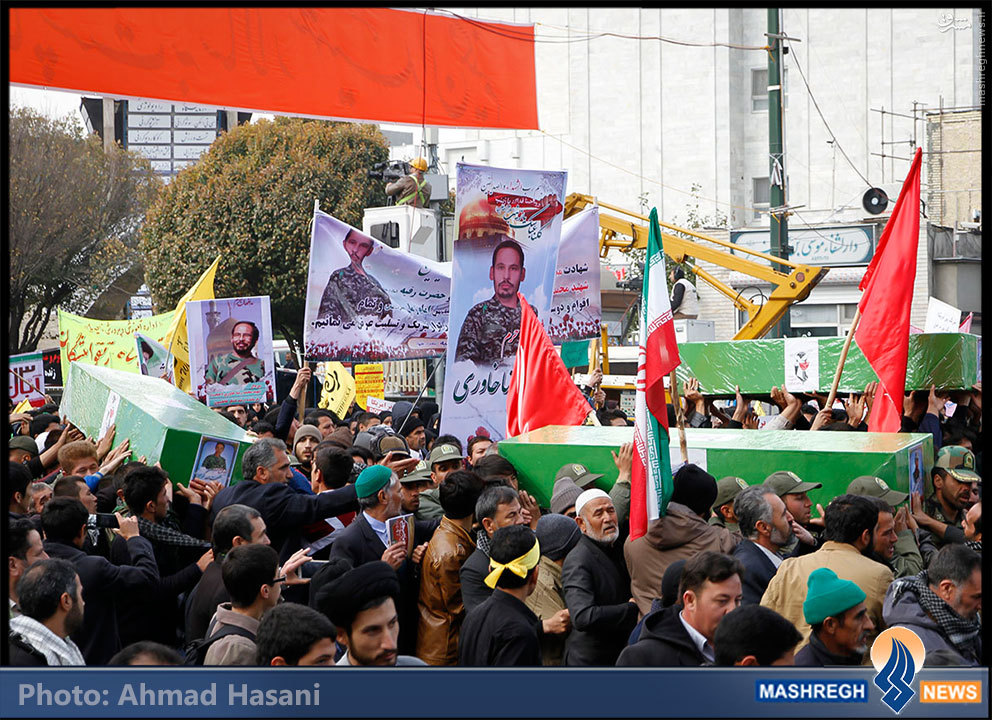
(507, 236)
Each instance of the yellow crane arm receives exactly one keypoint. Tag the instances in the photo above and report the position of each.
(630, 230)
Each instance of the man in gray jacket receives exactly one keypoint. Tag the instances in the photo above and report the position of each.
(941, 604)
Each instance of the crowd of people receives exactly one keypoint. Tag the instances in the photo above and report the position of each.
(375, 540)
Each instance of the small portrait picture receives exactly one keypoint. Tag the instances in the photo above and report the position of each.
(215, 460)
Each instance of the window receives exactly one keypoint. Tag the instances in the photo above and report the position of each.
(814, 320)
(759, 89)
(761, 195)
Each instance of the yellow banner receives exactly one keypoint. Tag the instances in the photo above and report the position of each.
(107, 343)
(369, 382)
(176, 339)
(339, 389)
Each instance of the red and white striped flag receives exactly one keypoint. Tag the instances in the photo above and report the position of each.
(658, 355)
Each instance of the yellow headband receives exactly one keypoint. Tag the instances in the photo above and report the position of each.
(519, 567)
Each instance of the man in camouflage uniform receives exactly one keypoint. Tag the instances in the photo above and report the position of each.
(350, 290)
(943, 512)
(491, 329)
(215, 461)
(239, 367)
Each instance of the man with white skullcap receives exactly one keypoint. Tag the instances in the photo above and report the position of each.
(597, 586)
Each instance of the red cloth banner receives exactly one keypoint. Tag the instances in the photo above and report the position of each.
(883, 332)
(371, 64)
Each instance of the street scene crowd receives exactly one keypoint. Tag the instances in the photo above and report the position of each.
(112, 562)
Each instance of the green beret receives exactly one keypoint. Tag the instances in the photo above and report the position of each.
(829, 596)
(372, 479)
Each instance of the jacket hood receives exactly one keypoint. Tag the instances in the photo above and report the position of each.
(906, 610)
(665, 626)
(678, 527)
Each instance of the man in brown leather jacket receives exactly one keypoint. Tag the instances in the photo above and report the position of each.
(440, 604)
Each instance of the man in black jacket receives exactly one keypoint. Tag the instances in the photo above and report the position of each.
(597, 586)
(234, 525)
(766, 526)
(366, 540)
(181, 557)
(497, 507)
(503, 631)
(64, 522)
(265, 467)
(683, 636)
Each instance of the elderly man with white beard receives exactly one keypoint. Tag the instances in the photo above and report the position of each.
(597, 586)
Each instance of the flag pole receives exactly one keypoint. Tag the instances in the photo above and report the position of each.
(843, 357)
(679, 416)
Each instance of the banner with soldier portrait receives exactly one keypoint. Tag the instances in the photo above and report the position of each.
(368, 301)
(509, 225)
(230, 351)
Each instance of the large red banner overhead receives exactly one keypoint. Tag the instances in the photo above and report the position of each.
(373, 64)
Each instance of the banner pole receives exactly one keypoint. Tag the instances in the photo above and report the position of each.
(437, 364)
(843, 357)
(679, 416)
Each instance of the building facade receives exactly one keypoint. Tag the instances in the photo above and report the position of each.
(638, 122)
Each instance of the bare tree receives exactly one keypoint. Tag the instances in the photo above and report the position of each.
(73, 217)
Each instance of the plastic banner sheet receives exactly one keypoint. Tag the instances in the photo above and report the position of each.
(576, 307)
(367, 301)
(106, 343)
(509, 227)
(230, 350)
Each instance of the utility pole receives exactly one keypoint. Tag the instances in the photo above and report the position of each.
(778, 223)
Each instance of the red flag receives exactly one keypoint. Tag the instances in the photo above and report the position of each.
(883, 332)
(541, 390)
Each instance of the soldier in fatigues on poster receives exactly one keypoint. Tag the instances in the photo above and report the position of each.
(239, 367)
(491, 329)
(350, 290)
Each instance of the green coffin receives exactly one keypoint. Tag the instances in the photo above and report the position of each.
(163, 423)
(948, 360)
(830, 458)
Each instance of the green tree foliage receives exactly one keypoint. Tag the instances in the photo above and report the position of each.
(250, 199)
(73, 216)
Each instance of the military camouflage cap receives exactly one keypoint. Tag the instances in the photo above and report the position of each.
(959, 462)
(578, 474)
(727, 489)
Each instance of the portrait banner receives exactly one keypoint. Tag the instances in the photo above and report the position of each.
(107, 343)
(509, 226)
(368, 301)
(801, 364)
(370, 382)
(230, 350)
(338, 391)
(576, 305)
(26, 378)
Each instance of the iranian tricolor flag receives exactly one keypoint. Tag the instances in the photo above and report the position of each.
(658, 355)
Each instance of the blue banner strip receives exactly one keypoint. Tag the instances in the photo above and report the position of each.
(457, 692)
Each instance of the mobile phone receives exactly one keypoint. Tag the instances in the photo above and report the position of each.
(103, 520)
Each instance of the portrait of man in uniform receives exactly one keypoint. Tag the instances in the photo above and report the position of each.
(491, 329)
(350, 290)
(240, 366)
(215, 461)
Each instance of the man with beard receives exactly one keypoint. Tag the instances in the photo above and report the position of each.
(793, 491)
(839, 621)
(50, 595)
(849, 526)
(895, 539)
(239, 367)
(597, 586)
(305, 443)
(362, 605)
(942, 605)
(491, 329)
(943, 512)
(350, 290)
(766, 526)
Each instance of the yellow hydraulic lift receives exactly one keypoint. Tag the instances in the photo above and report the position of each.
(627, 230)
